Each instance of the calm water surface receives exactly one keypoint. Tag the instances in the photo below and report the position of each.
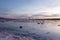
(49, 29)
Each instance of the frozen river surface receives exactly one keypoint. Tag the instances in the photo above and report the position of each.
(47, 30)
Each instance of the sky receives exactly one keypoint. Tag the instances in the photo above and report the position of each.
(27, 8)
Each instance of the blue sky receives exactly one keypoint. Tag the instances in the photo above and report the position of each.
(29, 7)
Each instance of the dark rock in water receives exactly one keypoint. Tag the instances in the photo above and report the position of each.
(20, 27)
(38, 23)
(41, 23)
(58, 25)
(48, 32)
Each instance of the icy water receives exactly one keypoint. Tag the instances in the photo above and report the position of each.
(37, 30)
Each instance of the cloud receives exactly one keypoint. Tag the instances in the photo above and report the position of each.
(47, 7)
(4, 11)
(30, 8)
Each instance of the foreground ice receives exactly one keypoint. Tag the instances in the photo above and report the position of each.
(8, 36)
(11, 36)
